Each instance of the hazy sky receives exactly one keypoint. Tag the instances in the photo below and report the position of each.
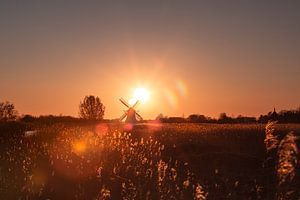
(206, 57)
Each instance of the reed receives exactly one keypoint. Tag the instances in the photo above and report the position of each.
(283, 159)
(288, 156)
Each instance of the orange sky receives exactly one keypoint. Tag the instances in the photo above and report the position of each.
(203, 58)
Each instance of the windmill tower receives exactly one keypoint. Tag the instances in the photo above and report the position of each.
(131, 115)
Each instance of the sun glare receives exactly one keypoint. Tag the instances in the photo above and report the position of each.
(140, 94)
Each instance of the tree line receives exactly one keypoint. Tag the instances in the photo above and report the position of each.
(92, 109)
(284, 116)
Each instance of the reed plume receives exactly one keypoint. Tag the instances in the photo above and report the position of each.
(286, 167)
(271, 138)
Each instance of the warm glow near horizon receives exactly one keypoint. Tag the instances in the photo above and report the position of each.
(197, 57)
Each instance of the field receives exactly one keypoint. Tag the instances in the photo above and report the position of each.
(146, 161)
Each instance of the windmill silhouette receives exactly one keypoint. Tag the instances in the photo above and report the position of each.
(131, 115)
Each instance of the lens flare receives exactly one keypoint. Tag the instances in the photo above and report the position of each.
(181, 88)
(79, 147)
(171, 98)
(101, 129)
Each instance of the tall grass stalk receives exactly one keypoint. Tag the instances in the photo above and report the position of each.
(271, 138)
(286, 167)
(282, 160)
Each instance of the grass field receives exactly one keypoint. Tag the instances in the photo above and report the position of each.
(147, 161)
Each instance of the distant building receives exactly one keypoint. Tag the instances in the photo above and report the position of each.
(274, 115)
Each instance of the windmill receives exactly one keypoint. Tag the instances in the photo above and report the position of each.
(131, 115)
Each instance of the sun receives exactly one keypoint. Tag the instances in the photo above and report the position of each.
(139, 94)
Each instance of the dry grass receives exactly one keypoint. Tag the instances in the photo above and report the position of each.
(161, 161)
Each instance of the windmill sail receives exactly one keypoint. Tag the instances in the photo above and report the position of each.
(131, 115)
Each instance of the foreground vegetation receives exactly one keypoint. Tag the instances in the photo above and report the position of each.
(148, 161)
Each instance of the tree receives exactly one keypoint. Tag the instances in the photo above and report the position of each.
(159, 117)
(91, 108)
(223, 118)
(7, 111)
(195, 118)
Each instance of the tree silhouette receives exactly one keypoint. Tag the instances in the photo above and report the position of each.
(159, 117)
(7, 111)
(195, 118)
(91, 108)
(223, 118)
